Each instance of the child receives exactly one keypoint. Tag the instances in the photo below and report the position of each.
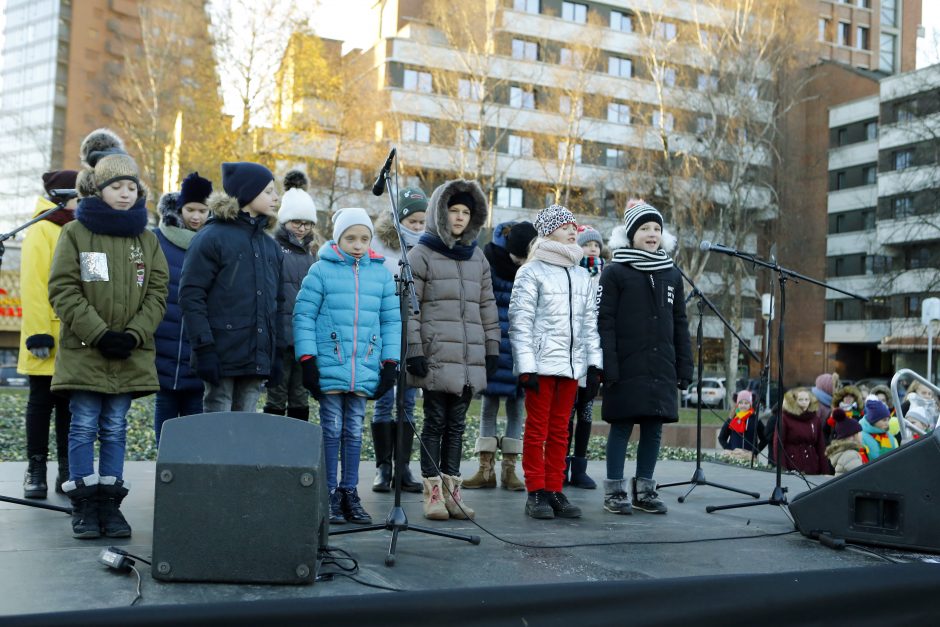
(804, 446)
(875, 425)
(229, 291)
(919, 395)
(553, 327)
(181, 215)
(822, 390)
(918, 418)
(740, 431)
(845, 398)
(38, 337)
(412, 207)
(579, 426)
(296, 220)
(347, 335)
(846, 452)
(453, 346)
(108, 285)
(507, 251)
(647, 352)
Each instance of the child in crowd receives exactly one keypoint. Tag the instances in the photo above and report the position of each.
(822, 390)
(108, 285)
(875, 435)
(507, 251)
(919, 395)
(453, 345)
(229, 291)
(553, 327)
(647, 352)
(38, 337)
(740, 432)
(579, 427)
(181, 215)
(347, 336)
(804, 446)
(412, 207)
(847, 399)
(918, 418)
(846, 451)
(296, 220)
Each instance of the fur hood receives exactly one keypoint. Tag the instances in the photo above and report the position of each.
(840, 446)
(436, 217)
(385, 231)
(843, 391)
(618, 239)
(790, 406)
(884, 389)
(223, 207)
(169, 214)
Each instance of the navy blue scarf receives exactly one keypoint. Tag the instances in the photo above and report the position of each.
(459, 252)
(99, 217)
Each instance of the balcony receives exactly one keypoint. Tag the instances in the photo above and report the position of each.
(853, 154)
(898, 232)
(848, 243)
(908, 180)
(854, 198)
(857, 331)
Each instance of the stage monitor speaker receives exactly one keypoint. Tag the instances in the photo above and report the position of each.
(893, 501)
(239, 497)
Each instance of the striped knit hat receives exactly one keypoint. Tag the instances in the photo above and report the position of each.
(553, 218)
(638, 213)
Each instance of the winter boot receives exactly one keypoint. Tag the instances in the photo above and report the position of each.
(537, 505)
(34, 481)
(408, 482)
(300, 413)
(645, 496)
(383, 438)
(512, 448)
(579, 477)
(63, 474)
(485, 476)
(271, 409)
(434, 508)
(83, 493)
(561, 507)
(336, 508)
(352, 507)
(453, 500)
(616, 499)
(111, 492)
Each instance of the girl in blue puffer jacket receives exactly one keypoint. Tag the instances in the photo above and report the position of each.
(347, 336)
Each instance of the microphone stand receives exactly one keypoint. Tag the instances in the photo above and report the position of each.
(397, 521)
(698, 477)
(779, 495)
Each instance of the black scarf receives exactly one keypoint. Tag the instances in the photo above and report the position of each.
(459, 252)
(99, 217)
(642, 260)
(501, 264)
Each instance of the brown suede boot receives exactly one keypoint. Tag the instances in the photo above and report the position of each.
(485, 476)
(434, 508)
(453, 501)
(511, 450)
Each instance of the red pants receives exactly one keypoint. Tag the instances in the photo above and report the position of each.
(545, 441)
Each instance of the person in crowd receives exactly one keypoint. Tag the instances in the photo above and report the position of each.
(507, 251)
(847, 399)
(804, 446)
(917, 416)
(39, 335)
(846, 451)
(296, 220)
(883, 392)
(647, 352)
(108, 286)
(453, 345)
(920, 395)
(412, 209)
(347, 337)
(555, 342)
(181, 215)
(823, 389)
(229, 289)
(740, 432)
(875, 435)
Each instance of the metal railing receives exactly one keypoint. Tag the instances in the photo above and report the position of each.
(907, 426)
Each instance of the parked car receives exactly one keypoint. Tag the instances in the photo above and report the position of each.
(10, 377)
(713, 392)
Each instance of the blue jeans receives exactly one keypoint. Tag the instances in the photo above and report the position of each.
(515, 409)
(101, 417)
(385, 406)
(341, 417)
(173, 404)
(651, 434)
(233, 394)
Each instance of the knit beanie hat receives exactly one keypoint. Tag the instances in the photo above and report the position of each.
(519, 238)
(295, 179)
(826, 383)
(638, 213)
(296, 204)
(588, 233)
(244, 180)
(553, 218)
(59, 179)
(461, 198)
(194, 189)
(845, 427)
(875, 410)
(918, 414)
(112, 166)
(350, 216)
(413, 200)
(745, 395)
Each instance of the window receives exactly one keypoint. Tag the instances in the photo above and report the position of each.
(871, 130)
(413, 131)
(877, 264)
(348, 178)
(520, 98)
(912, 306)
(621, 21)
(563, 152)
(707, 82)
(574, 12)
(520, 146)
(906, 111)
(570, 58)
(616, 158)
(666, 75)
(509, 196)
(665, 123)
(469, 90)
(840, 180)
(862, 41)
(617, 66)
(887, 47)
(916, 258)
(665, 30)
(889, 12)
(903, 159)
(842, 137)
(564, 106)
(870, 174)
(865, 4)
(417, 81)
(824, 29)
(748, 90)
(468, 137)
(618, 112)
(527, 50)
(902, 207)
(704, 124)
(844, 34)
(526, 6)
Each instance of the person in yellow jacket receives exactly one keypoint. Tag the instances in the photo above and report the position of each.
(39, 336)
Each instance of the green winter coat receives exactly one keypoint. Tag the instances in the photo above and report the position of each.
(132, 298)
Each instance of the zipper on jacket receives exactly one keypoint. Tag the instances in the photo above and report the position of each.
(179, 355)
(371, 347)
(463, 324)
(570, 325)
(337, 348)
(352, 382)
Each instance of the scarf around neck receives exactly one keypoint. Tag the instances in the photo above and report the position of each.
(593, 265)
(739, 420)
(411, 237)
(99, 217)
(824, 398)
(178, 236)
(460, 252)
(558, 254)
(642, 260)
(61, 217)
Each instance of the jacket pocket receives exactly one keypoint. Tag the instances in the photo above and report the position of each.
(373, 348)
(330, 350)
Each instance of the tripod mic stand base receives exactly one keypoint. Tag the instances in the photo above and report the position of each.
(778, 497)
(698, 478)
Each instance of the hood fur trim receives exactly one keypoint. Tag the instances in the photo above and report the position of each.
(436, 218)
(385, 231)
(618, 239)
(169, 214)
(790, 406)
(223, 206)
(884, 389)
(843, 391)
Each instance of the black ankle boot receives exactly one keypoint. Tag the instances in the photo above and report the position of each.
(408, 482)
(271, 409)
(384, 443)
(84, 500)
(352, 507)
(110, 519)
(300, 413)
(34, 481)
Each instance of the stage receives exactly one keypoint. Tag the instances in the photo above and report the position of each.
(43, 569)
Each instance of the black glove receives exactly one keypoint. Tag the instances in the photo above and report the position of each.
(310, 376)
(116, 345)
(387, 378)
(684, 383)
(594, 378)
(418, 366)
(208, 366)
(492, 362)
(529, 381)
(277, 371)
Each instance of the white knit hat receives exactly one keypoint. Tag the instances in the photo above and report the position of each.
(350, 216)
(296, 204)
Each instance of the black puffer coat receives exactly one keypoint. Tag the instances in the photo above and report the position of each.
(295, 263)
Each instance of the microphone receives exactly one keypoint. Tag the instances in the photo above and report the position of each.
(378, 188)
(64, 194)
(718, 248)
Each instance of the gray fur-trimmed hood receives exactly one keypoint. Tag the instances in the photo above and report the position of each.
(222, 206)
(436, 218)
